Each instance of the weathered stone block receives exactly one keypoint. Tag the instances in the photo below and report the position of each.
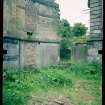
(30, 54)
(48, 54)
(12, 56)
(79, 52)
(39, 17)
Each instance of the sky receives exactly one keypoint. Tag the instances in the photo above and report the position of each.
(74, 11)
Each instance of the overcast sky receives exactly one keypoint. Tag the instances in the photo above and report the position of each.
(73, 11)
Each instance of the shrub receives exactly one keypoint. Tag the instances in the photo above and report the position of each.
(56, 79)
(86, 68)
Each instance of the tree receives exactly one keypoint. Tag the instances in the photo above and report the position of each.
(64, 29)
(65, 33)
(69, 36)
(79, 29)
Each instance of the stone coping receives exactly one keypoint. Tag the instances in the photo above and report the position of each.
(33, 40)
(81, 43)
(91, 40)
(47, 2)
(95, 40)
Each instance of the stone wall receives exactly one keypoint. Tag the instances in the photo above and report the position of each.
(79, 52)
(93, 47)
(12, 56)
(36, 16)
(33, 24)
(96, 17)
(47, 21)
(14, 18)
(96, 28)
(23, 53)
(48, 54)
(89, 52)
(30, 56)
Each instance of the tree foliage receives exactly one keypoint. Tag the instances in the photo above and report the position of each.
(79, 29)
(70, 36)
(64, 28)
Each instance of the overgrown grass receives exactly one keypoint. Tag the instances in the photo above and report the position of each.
(79, 83)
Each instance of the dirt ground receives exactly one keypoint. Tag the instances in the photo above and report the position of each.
(54, 101)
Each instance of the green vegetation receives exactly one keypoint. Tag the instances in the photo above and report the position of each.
(71, 35)
(79, 29)
(80, 83)
(64, 29)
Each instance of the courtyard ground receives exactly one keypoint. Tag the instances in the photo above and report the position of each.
(76, 84)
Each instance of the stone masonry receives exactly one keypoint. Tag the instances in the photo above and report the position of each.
(96, 30)
(33, 25)
(89, 49)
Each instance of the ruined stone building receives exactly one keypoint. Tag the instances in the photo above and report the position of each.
(96, 28)
(30, 33)
(88, 51)
(96, 23)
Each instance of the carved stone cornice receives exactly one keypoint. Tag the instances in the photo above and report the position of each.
(48, 3)
(48, 16)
